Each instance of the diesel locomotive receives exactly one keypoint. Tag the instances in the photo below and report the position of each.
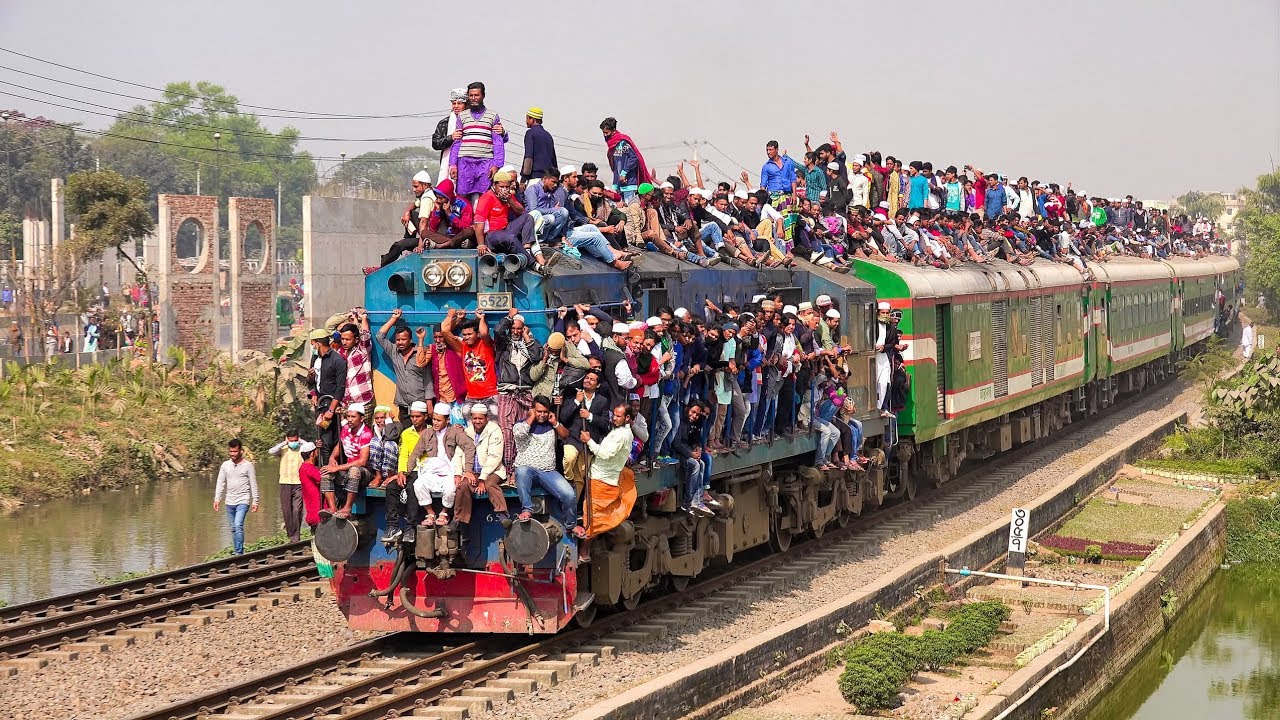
(998, 355)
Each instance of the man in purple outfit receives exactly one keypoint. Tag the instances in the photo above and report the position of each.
(479, 145)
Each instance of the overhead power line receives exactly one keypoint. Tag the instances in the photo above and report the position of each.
(294, 114)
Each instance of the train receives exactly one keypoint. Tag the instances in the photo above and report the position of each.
(998, 355)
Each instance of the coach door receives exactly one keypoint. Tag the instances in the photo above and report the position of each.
(941, 317)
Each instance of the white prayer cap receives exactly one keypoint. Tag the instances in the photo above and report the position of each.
(740, 193)
(637, 325)
(423, 177)
(884, 306)
(823, 300)
(860, 159)
(479, 409)
(457, 94)
(620, 328)
(653, 321)
(806, 306)
(442, 408)
(418, 406)
(306, 447)
(681, 312)
(789, 310)
(517, 317)
(833, 165)
(758, 298)
(506, 168)
(833, 313)
(568, 170)
(356, 407)
(666, 185)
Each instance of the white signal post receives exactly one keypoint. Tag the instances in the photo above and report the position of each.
(1019, 535)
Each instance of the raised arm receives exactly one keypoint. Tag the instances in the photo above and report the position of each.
(446, 331)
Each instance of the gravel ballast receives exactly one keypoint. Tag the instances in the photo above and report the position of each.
(153, 673)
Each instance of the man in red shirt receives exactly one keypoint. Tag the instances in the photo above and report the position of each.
(479, 361)
(497, 231)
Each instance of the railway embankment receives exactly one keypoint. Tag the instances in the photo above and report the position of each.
(793, 650)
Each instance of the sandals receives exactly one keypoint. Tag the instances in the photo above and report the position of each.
(579, 532)
(524, 516)
(429, 520)
(442, 519)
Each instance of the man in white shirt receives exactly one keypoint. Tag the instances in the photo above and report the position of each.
(1248, 337)
(239, 484)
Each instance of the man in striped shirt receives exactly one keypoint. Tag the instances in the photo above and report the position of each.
(479, 145)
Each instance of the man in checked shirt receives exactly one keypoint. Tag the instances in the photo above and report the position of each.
(357, 348)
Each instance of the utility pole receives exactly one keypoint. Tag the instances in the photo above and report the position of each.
(279, 192)
(197, 178)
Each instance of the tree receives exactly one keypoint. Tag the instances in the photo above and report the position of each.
(110, 211)
(247, 160)
(33, 151)
(1259, 225)
(1209, 204)
(386, 174)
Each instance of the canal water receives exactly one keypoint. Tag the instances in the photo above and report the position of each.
(70, 544)
(1220, 660)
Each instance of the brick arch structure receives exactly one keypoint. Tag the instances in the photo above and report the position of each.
(188, 300)
(253, 291)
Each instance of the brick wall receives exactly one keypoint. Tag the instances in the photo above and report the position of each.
(192, 297)
(253, 288)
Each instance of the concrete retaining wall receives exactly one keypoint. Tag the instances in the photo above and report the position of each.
(748, 670)
(339, 237)
(1136, 621)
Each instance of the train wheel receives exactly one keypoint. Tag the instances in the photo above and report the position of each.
(584, 617)
(780, 540)
(910, 486)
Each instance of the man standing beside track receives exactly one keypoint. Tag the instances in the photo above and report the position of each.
(238, 483)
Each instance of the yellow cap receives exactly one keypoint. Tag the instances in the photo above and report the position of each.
(535, 113)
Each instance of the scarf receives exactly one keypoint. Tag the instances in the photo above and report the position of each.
(612, 144)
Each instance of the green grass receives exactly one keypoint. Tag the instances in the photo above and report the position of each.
(63, 431)
(270, 541)
(1122, 521)
(1200, 467)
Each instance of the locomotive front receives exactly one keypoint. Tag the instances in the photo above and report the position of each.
(489, 575)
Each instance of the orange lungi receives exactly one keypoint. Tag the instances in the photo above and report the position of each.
(610, 504)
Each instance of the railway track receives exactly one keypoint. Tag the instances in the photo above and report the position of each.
(52, 622)
(402, 674)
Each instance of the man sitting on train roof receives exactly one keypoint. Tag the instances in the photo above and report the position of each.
(502, 224)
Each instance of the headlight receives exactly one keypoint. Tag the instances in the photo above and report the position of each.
(458, 274)
(433, 275)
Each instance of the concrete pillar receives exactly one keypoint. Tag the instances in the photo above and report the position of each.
(164, 268)
(234, 269)
(29, 249)
(58, 205)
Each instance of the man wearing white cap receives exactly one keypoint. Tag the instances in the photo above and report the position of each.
(400, 511)
(884, 368)
(518, 351)
(859, 182)
(348, 460)
(442, 138)
(490, 470)
(443, 457)
(414, 220)
(618, 378)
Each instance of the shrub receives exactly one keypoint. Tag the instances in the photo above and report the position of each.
(1084, 548)
(877, 667)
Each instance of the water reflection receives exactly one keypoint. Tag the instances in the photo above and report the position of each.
(65, 545)
(1220, 660)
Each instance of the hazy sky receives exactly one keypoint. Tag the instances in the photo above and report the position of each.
(1146, 97)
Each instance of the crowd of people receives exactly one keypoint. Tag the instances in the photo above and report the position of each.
(828, 209)
(486, 406)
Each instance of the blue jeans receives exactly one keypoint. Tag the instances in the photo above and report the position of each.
(235, 516)
(590, 241)
(555, 485)
(827, 439)
(697, 477)
(672, 407)
(554, 223)
(766, 418)
(712, 238)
